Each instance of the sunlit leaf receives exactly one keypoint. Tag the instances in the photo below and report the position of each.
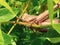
(5, 15)
(4, 38)
(57, 27)
(56, 1)
(1, 37)
(5, 4)
(54, 40)
(50, 8)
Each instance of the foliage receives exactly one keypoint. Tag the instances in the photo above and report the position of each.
(15, 34)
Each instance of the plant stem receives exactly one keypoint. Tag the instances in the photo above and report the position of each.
(11, 29)
(19, 17)
(23, 10)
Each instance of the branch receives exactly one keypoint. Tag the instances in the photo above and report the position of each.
(23, 11)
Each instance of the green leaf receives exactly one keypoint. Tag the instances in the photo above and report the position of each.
(42, 2)
(4, 38)
(1, 37)
(5, 4)
(56, 1)
(54, 40)
(50, 8)
(57, 27)
(5, 15)
(53, 36)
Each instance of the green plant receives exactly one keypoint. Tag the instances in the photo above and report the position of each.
(15, 32)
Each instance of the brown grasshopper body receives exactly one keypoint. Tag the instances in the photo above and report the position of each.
(38, 19)
(28, 18)
(42, 19)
